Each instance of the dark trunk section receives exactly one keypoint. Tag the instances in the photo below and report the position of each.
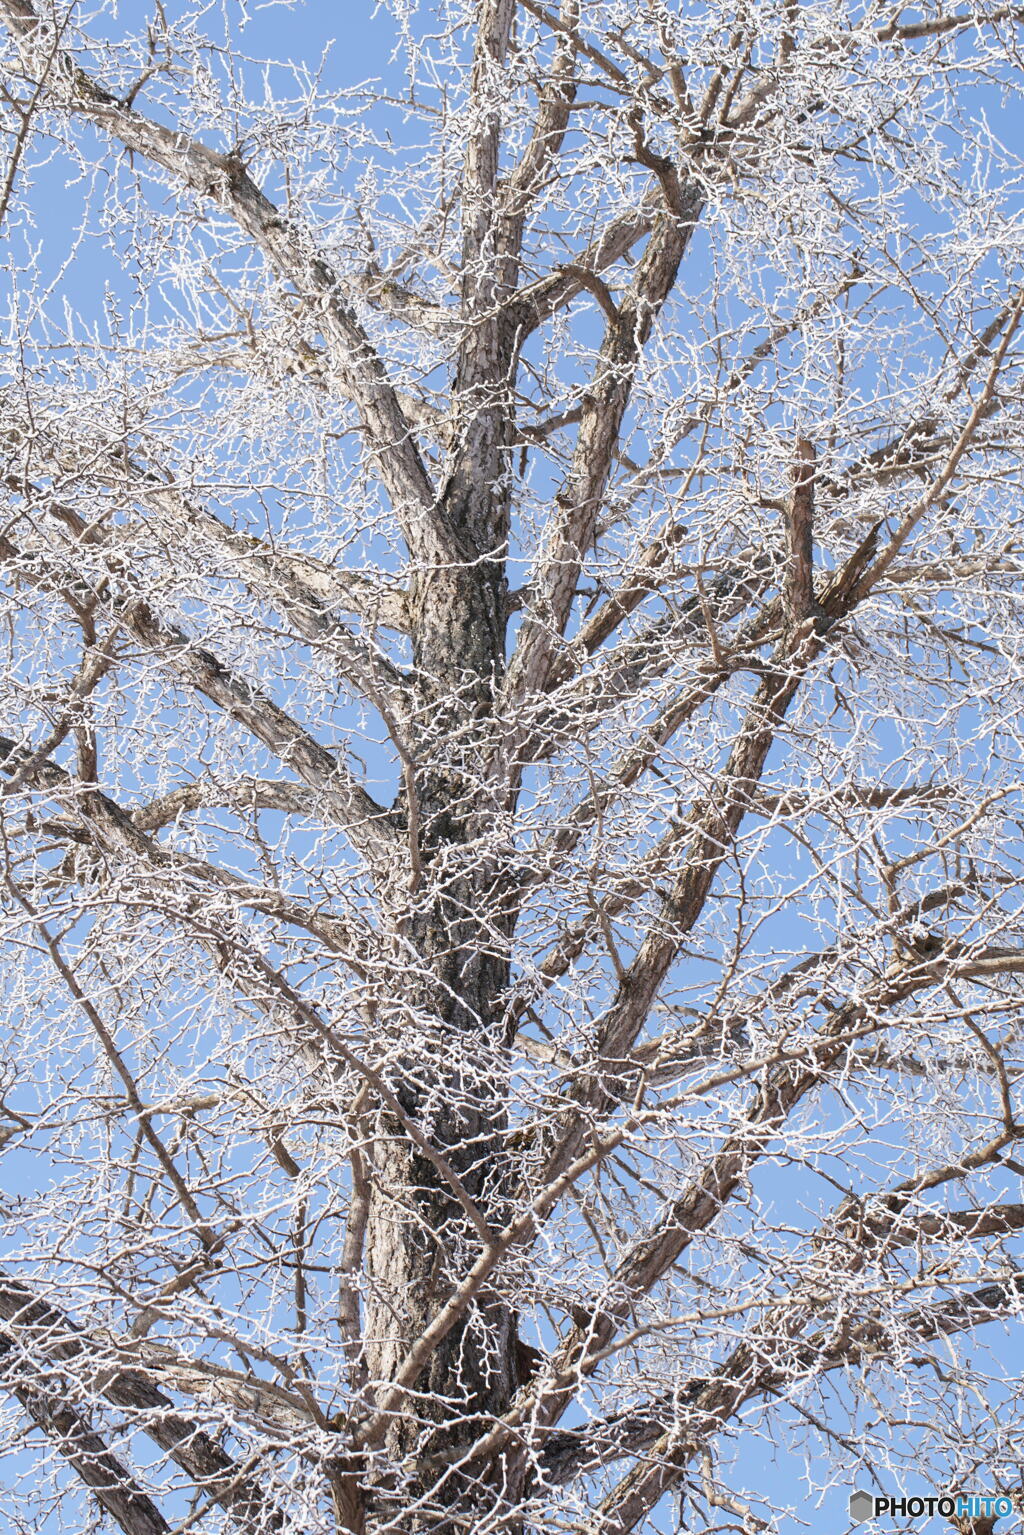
(452, 1079)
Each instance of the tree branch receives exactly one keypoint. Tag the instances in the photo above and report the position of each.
(798, 582)
(607, 398)
(35, 1325)
(94, 817)
(70, 1432)
(356, 366)
(367, 824)
(639, 1431)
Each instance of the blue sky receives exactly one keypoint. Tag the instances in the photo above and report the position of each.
(359, 44)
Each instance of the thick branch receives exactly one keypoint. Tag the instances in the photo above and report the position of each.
(357, 368)
(600, 428)
(243, 795)
(747, 1375)
(305, 587)
(366, 823)
(785, 1085)
(94, 817)
(34, 1326)
(641, 1430)
(544, 298)
(798, 582)
(70, 1432)
(835, 598)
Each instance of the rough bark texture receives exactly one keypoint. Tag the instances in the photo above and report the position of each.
(458, 617)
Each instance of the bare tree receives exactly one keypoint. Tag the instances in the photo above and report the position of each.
(511, 761)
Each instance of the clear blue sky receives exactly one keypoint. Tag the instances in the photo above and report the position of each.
(360, 44)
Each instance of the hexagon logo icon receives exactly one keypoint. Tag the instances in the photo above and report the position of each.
(862, 1506)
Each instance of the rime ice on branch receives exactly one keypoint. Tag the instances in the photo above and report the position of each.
(510, 764)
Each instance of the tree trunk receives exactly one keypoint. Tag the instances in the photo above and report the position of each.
(452, 1078)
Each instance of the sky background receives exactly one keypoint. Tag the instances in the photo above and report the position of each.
(359, 46)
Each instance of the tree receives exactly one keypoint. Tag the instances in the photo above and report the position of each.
(511, 766)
